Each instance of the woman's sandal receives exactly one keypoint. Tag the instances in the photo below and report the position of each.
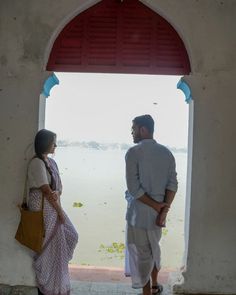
(157, 289)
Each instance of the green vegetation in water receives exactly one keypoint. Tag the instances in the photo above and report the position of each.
(115, 250)
(77, 205)
(164, 231)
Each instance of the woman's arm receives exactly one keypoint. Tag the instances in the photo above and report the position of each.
(52, 198)
(161, 218)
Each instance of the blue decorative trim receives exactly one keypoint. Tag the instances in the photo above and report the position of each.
(49, 83)
(186, 90)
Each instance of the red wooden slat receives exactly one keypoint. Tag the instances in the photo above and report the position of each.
(119, 37)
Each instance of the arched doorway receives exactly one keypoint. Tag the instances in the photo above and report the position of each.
(119, 37)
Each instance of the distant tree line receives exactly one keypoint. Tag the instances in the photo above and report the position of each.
(106, 146)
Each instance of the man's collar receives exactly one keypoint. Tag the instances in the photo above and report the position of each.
(147, 140)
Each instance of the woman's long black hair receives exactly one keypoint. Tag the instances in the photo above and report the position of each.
(42, 143)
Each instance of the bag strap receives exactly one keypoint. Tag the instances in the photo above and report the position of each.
(25, 188)
(25, 194)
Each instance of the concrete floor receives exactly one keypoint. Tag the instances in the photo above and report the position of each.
(99, 281)
(103, 281)
(101, 288)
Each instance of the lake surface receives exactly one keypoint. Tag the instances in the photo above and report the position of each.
(96, 179)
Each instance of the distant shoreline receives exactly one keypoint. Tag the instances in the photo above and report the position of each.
(107, 146)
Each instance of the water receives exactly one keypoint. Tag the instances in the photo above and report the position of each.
(96, 179)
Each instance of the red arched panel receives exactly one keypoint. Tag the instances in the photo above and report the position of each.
(117, 36)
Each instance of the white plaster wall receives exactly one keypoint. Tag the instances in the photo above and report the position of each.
(21, 79)
(211, 261)
(18, 123)
(27, 31)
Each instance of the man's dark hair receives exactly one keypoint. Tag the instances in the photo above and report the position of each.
(145, 121)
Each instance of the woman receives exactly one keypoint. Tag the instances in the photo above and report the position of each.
(51, 265)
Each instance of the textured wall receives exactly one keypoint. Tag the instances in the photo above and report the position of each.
(27, 31)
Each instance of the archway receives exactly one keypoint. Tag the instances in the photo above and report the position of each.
(119, 37)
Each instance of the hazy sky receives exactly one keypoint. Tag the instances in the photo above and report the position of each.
(101, 107)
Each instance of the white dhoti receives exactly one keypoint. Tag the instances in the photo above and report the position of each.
(143, 253)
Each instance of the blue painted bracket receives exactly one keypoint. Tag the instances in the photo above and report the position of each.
(186, 90)
(49, 83)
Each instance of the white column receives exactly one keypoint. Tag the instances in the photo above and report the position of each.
(211, 259)
(42, 108)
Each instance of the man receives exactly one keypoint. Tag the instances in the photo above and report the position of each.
(151, 187)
